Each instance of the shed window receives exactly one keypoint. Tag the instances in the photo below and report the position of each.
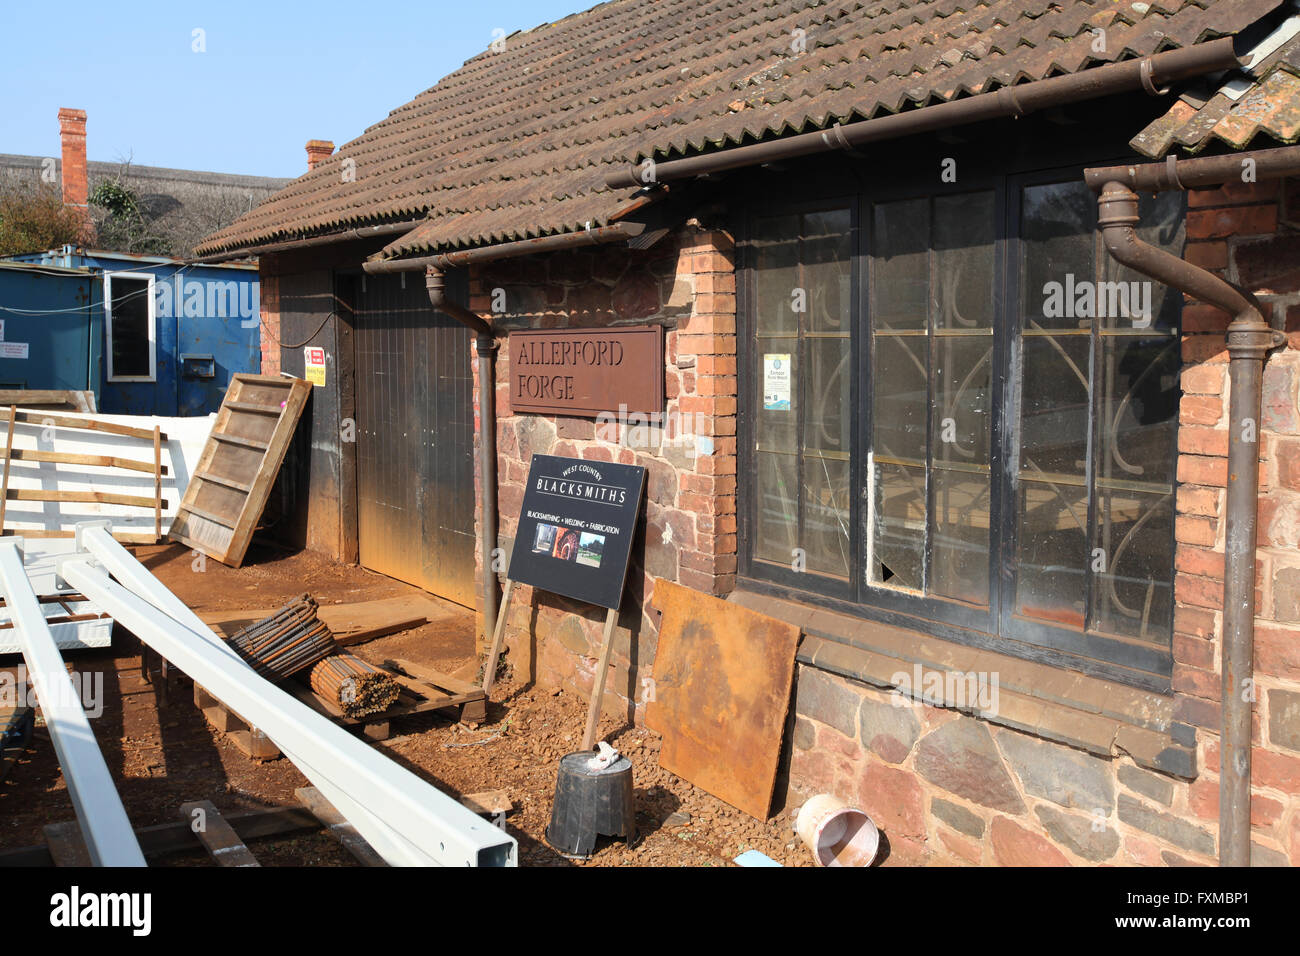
(975, 432)
(129, 306)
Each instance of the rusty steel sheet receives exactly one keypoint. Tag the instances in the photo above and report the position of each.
(722, 682)
(585, 372)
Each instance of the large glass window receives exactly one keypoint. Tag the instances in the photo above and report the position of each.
(963, 410)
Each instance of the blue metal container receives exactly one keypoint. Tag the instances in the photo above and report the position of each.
(201, 325)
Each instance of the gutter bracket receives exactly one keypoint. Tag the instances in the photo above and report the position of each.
(835, 138)
(1145, 72)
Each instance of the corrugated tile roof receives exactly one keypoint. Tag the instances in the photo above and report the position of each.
(516, 143)
(1263, 104)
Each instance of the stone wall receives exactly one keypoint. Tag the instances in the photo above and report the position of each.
(687, 284)
(949, 789)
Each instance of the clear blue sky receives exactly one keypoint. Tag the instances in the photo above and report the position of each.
(274, 74)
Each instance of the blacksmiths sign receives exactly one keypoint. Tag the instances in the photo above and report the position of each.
(583, 372)
(576, 528)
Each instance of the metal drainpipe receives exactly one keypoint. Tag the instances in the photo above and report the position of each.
(485, 346)
(1249, 340)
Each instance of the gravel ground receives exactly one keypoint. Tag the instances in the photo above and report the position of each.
(163, 753)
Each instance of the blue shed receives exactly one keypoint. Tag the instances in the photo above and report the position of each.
(51, 327)
(153, 335)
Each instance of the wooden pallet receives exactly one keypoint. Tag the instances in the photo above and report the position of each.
(422, 690)
(225, 498)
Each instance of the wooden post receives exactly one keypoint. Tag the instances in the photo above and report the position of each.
(490, 672)
(598, 691)
(9, 451)
(157, 483)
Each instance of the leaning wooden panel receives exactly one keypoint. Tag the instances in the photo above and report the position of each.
(722, 681)
(228, 491)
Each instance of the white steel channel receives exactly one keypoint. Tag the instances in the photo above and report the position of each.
(104, 823)
(406, 820)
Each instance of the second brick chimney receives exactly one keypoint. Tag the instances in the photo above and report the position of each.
(318, 150)
(72, 138)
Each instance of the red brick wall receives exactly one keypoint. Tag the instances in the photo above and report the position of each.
(687, 283)
(1250, 235)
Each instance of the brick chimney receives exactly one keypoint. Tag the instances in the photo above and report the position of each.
(318, 150)
(72, 138)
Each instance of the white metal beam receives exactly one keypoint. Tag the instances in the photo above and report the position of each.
(104, 823)
(408, 821)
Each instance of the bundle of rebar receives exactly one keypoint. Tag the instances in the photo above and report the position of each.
(358, 688)
(289, 640)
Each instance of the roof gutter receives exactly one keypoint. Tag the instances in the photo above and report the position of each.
(1152, 74)
(617, 232)
(362, 232)
(1249, 340)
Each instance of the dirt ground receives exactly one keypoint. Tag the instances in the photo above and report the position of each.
(162, 752)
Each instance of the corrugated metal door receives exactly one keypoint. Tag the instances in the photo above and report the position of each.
(415, 439)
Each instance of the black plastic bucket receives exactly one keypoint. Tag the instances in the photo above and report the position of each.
(591, 803)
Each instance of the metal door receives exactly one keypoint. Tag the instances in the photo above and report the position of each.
(415, 438)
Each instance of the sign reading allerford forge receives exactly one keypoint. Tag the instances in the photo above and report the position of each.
(584, 372)
(576, 528)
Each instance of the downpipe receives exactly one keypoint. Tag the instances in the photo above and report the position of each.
(1250, 339)
(485, 347)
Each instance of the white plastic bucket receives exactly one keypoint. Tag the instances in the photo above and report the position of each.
(837, 834)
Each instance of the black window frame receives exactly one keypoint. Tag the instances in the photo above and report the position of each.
(1147, 665)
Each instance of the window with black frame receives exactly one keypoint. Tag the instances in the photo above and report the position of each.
(1011, 432)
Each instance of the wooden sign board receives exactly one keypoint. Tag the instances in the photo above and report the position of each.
(576, 527)
(722, 681)
(584, 372)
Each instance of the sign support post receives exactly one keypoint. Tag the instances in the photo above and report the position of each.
(598, 690)
(490, 671)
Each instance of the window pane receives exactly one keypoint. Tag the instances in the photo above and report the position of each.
(776, 498)
(1054, 405)
(803, 374)
(959, 518)
(1058, 240)
(130, 345)
(826, 515)
(1052, 552)
(1098, 413)
(1132, 583)
(827, 268)
(900, 250)
(776, 266)
(932, 309)
(898, 532)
